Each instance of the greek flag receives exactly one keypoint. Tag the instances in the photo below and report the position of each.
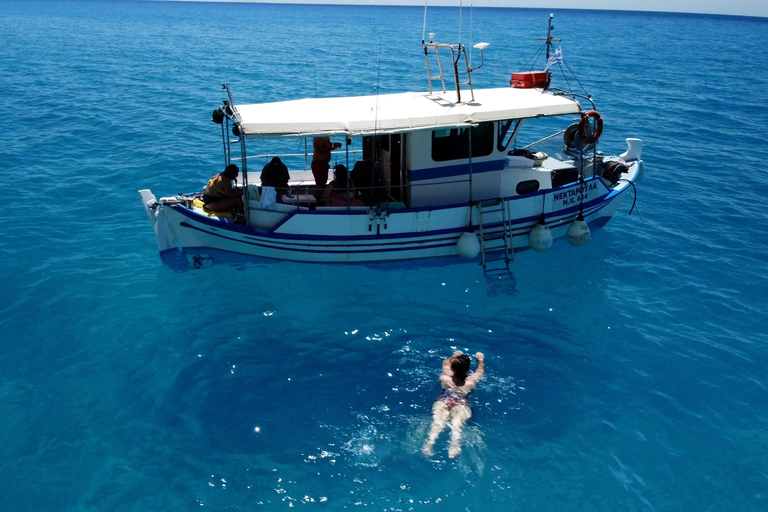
(555, 58)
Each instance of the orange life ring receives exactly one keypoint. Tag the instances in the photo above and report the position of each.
(590, 138)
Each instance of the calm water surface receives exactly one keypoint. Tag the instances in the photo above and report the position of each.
(627, 375)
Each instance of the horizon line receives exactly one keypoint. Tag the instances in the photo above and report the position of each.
(657, 6)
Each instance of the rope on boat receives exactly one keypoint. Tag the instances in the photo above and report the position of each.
(634, 199)
(565, 77)
(544, 139)
(562, 63)
(534, 58)
(577, 80)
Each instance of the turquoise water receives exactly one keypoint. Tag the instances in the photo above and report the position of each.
(626, 375)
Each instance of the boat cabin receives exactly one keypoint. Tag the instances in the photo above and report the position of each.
(421, 149)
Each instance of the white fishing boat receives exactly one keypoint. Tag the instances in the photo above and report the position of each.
(444, 174)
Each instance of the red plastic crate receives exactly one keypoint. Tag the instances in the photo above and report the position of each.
(530, 80)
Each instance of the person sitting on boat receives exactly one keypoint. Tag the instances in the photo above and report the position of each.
(275, 174)
(341, 191)
(452, 407)
(321, 159)
(369, 177)
(219, 195)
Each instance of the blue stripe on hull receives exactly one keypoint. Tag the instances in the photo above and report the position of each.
(384, 243)
(310, 248)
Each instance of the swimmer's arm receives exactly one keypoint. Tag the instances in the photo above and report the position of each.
(477, 374)
(480, 365)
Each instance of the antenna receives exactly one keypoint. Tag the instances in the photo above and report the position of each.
(481, 47)
(314, 72)
(549, 35)
(378, 84)
(549, 39)
(471, 5)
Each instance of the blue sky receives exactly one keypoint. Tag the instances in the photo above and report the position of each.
(734, 7)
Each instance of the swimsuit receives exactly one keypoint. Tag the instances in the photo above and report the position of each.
(208, 199)
(452, 398)
(214, 184)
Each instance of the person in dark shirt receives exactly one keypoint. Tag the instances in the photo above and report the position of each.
(368, 176)
(275, 174)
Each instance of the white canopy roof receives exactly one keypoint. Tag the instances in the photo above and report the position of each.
(390, 113)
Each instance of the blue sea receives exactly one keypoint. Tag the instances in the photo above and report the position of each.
(627, 375)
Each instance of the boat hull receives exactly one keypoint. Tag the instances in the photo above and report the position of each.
(369, 235)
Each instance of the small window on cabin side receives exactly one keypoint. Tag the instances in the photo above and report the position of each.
(527, 187)
(453, 143)
(507, 130)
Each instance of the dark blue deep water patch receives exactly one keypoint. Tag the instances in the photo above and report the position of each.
(626, 375)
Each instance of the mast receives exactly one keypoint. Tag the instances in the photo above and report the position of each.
(550, 39)
(549, 35)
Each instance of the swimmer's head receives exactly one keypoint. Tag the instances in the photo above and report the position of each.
(460, 367)
(460, 363)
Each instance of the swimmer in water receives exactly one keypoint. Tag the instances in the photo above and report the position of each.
(452, 407)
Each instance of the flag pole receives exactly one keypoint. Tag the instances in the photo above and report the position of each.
(549, 35)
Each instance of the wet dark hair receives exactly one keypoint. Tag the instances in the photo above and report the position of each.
(230, 171)
(460, 367)
(341, 174)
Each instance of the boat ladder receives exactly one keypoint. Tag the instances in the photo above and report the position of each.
(458, 54)
(493, 265)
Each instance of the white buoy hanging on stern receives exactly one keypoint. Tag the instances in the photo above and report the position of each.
(540, 237)
(578, 232)
(468, 245)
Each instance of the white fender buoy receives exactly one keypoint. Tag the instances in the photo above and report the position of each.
(540, 237)
(578, 232)
(468, 245)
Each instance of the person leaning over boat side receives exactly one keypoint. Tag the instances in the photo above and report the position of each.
(219, 195)
(341, 191)
(321, 159)
(452, 407)
(275, 174)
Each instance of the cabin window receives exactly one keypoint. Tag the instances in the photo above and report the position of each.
(507, 131)
(527, 187)
(453, 143)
